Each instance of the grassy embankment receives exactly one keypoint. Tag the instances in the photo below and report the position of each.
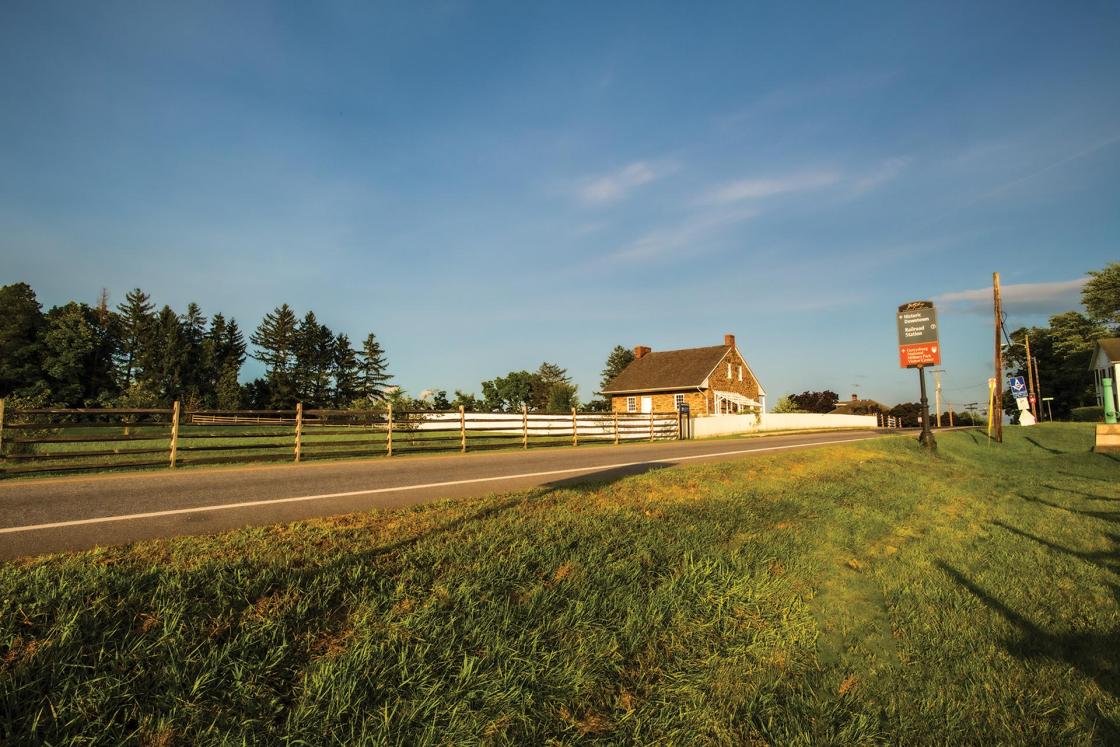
(857, 593)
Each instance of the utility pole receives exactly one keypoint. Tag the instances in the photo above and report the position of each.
(1037, 390)
(1030, 378)
(998, 394)
(937, 391)
(950, 414)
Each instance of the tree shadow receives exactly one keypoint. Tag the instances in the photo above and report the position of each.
(1090, 496)
(1094, 654)
(1110, 516)
(1044, 448)
(1086, 477)
(1106, 559)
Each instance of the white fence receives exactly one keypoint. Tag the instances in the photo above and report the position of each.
(725, 425)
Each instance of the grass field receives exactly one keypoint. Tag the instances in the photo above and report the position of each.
(208, 445)
(862, 593)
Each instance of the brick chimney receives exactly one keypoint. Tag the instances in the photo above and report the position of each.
(729, 341)
(640, 351)
(855, 398)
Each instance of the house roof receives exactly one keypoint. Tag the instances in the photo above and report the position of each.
(1111, 348)
(669, 369)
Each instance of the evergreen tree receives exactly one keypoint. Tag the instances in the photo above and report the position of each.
(552, 389)
(227, 393)
(136, 321)
(164, 357)
(314, 351)
(345, 372)
(196, 379)
(275, 340)
(618, 360)
(21, 350)
(373, 375)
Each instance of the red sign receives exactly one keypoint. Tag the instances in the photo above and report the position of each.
(919, 354)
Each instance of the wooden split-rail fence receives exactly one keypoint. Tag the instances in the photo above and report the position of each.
(53, 440)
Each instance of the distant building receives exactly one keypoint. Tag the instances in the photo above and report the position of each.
(1105, 363)
(857, 406)
(713, 380)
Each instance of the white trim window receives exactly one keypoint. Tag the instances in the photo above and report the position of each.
(740, 373)
(729, 372)
(678, 400)
(631, 404)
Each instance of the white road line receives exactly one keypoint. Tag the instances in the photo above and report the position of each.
(374, 491)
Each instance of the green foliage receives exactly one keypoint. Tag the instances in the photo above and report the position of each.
(21, 348)
(511, 392)
(1101, 295)
(314, 362)
(910, 413)
(373, 372)
(617, 361)
(345, 369)
(1063, 350)
(136, 321)
(78, 346)
(1091, 414)
(468, 402)
(787, 404)
(819, 402)
(275, 341)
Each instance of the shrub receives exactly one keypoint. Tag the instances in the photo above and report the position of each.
(1092, 414)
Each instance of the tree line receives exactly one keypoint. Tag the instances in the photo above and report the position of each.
(78, 355)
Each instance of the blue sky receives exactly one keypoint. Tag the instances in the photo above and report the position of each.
(487, 186)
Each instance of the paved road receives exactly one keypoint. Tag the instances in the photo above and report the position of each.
(72, 513)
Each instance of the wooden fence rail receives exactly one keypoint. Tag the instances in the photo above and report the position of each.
(58, 440)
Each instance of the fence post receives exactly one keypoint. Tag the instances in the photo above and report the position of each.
(575, 429)
(1, 427)
(389, 433)
(463, 428)
(299, 430)
(680, 426)
(174, 431)
(651, 425)
(524, 426)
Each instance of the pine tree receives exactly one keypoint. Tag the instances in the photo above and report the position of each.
(136, 321)
(228, 390)
(275, 341)
(618, 360)
(314, 360)
(164, 358)
(373, 375)
(194, 365)
(345, 372)
(21, 350)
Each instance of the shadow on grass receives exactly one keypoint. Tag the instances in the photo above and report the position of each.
(1087, 477)
(1094, 654)
(1106, 559)
(1028, 439)
(1090, 496)
(1110, 516)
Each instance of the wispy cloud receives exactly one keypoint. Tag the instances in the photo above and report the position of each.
(754, 189)
(1022, 298)
(683, 238)
(887, 171)
(616, 185)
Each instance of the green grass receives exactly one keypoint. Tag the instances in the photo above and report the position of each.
(860, 593)
(201, 445)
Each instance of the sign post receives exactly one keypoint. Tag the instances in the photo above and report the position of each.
(919, 347)
(1020, 390)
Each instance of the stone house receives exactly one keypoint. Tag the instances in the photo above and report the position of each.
(711, 381)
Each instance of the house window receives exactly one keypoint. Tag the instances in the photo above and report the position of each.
(678, 400)
(631, 404)
(729, 372)
(740, 373)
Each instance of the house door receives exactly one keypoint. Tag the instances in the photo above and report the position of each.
(647, 404)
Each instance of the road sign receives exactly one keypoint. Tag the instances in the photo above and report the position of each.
(917, 335)
(1018, 387)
